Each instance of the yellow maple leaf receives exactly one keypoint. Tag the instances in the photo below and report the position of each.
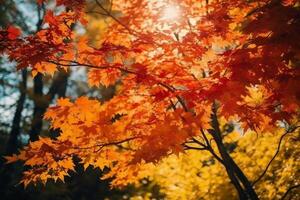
(67, 164)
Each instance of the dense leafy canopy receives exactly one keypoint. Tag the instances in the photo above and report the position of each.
(171, 69)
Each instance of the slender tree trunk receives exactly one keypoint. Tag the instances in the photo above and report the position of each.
(42, 102)
(242, 177)
(233, 170)
(12, 144)
(59, 87)
(6, 171)
(39, 107)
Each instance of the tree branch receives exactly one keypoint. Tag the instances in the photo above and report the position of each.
(210, 149)
(75, 64)
(289, 190)
(102, 145)
(108, 13)
(130, 31)
(290, 130)
(186, 147)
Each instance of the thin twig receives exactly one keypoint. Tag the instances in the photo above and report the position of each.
(290, 130)
(186, 147)
(108, 13)
(289, 190)
(102, 145)
(130, 31)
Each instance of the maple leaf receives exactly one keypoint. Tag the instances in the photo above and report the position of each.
(50, 19)
(64, 102)
(257, 96)
(67, 164)
(49, 68)
(13, 32)
(11, 159)
(105, 77)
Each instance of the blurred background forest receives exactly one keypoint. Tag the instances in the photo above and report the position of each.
(194, 175)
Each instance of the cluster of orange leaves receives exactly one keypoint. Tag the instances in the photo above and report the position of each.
(243, 54)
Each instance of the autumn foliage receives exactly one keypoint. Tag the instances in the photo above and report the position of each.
(176, 76)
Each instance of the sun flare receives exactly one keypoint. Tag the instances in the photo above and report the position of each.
(171, 12)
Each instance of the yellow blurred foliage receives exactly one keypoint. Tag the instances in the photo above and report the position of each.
(197, 175)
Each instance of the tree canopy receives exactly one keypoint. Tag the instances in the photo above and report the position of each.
(179, 66)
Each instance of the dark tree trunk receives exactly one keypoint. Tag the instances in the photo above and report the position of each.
(59, 85)
(6, 171)
(60, 88)
(12, 144)
(42, 102)
(235, 174)
(40, 106)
